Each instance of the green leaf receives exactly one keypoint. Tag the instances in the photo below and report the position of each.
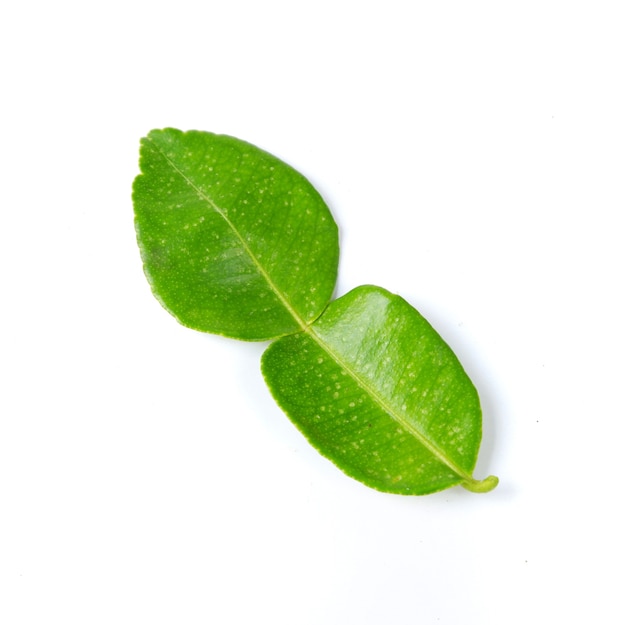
(236, 242)
(233, 240)
(376, 390)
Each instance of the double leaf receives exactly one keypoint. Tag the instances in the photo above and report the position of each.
(236, 242)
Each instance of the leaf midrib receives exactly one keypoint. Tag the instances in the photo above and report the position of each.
(257, 263)
(438, 453)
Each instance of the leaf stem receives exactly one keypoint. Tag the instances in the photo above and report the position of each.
(480, 486)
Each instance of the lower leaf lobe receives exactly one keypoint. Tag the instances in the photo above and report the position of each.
(376, 390)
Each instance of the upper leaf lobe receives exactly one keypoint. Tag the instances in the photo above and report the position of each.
(234, 241)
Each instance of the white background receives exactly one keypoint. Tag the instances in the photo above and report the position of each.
(474, 156)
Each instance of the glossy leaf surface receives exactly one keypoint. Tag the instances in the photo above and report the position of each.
(237, 243)
(376, 390)
(233, 240)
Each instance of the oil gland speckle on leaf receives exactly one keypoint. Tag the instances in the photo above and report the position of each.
(238, 243)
